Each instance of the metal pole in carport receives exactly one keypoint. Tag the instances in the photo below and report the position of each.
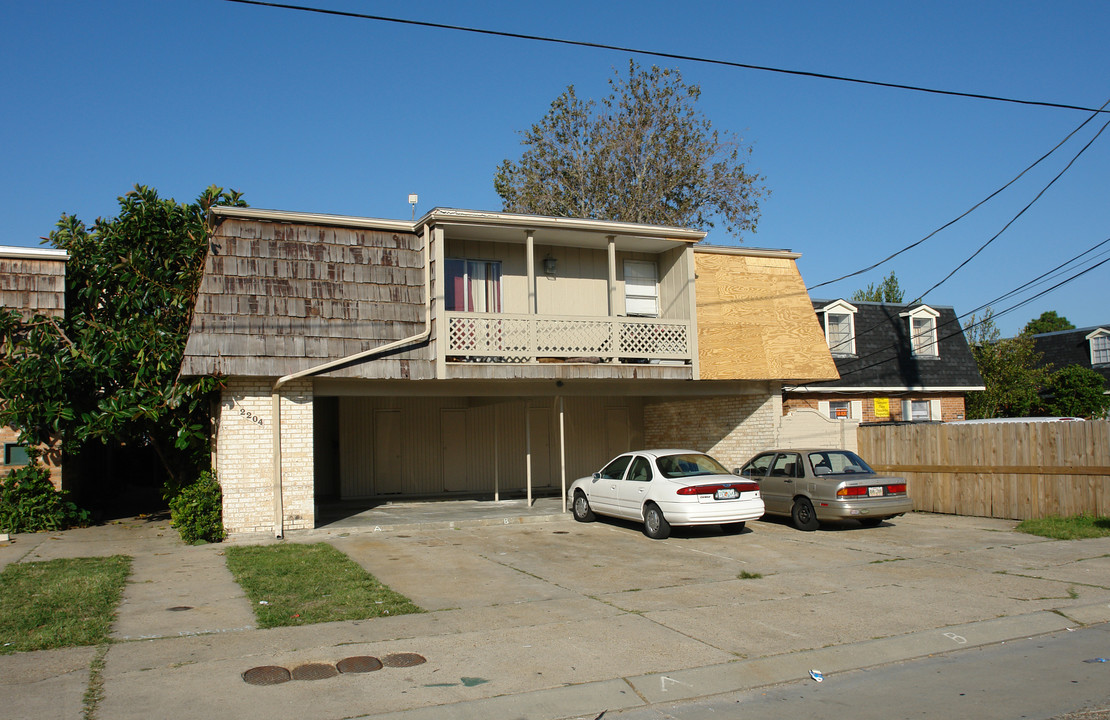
(562, 454)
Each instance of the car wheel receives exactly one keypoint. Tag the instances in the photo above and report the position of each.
(582, 511)
(734, 528)
(803, 515)
(656, 526)
(869, 521)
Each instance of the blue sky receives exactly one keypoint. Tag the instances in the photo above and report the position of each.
(328, 114)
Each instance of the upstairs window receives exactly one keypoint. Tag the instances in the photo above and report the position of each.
(840, 328)
(641, 289)
(1100, 347)
(473, 285)
(923, 331)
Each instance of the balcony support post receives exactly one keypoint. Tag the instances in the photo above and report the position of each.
(611, 246)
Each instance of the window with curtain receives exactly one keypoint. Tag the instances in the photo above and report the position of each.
(473, 285)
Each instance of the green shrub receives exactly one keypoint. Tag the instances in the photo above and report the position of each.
(29, 502)
(196, 511)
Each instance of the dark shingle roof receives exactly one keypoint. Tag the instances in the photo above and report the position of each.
(883, 357)
(1069, 347)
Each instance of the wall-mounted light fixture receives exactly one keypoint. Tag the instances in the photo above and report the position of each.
(549, 266)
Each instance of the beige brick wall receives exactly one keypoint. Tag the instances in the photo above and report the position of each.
(51, 456)
(731, 428)
(244, 455)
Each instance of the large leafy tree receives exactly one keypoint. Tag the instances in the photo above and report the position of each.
(887, 291)
(645, 155)
(107, 374)
(1011, 371)
(1075, 391)
(1049, 321)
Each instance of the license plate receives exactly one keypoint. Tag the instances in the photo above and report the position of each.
(876, 491)
(726, 494)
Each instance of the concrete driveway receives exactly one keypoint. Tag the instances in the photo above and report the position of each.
(557, 619)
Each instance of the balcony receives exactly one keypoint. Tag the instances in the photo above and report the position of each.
(536, 339)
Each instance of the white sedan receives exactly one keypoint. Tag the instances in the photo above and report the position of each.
(662, 488)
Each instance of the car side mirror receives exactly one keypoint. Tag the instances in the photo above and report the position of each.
(597, 476)
(736, 471)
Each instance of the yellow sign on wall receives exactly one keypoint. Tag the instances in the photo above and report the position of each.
(882, 407)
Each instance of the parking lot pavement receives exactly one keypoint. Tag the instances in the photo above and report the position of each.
(559, 619)
(767, 591)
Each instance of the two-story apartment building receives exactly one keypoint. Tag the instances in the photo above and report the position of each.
(480, 353)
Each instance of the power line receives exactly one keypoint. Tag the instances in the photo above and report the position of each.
(1019, 214)
(970, 210)
(1030, 283)
(669, 56)
(896, 348)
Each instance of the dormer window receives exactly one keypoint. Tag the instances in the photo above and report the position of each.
(1100, 347)
(840, 328)
(923, 331)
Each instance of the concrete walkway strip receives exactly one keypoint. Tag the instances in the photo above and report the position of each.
(44, 684)
(181, 591)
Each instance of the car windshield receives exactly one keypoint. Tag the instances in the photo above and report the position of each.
(689, 465)
(837, 462)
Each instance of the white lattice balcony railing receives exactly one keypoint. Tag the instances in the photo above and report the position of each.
(478, 337)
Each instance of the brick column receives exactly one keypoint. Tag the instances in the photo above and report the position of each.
(244, 459)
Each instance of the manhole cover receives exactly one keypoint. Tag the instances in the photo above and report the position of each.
(179, 608)
(359, 664)
(399, 660)
(314, 671)
(266, 675)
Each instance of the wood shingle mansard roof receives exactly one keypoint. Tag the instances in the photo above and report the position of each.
(278, 297)
(33, 280)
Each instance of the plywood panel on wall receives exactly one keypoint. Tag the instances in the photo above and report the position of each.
(756, 321)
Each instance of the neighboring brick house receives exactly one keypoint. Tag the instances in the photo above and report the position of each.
(897, 362)
(1087, 347)
(480, 353)
(32, 281)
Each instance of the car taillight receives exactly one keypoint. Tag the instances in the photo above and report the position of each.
(711, 489)
(859, 490)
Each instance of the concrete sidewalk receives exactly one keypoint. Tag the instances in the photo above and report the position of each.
(534, 616)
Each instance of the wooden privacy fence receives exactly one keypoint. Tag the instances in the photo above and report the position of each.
(1002, 470)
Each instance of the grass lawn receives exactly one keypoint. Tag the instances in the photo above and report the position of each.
(1076, 527)
(60, 603)
(294, 584)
